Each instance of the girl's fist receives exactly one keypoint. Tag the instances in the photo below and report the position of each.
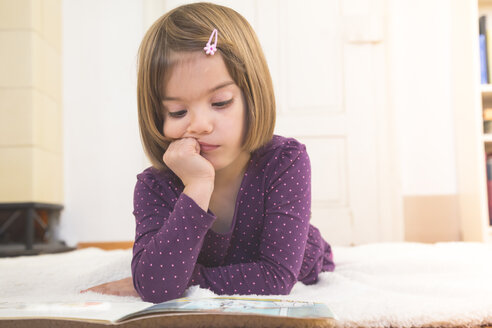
(184, 159)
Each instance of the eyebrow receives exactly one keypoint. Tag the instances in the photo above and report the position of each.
(220, 86)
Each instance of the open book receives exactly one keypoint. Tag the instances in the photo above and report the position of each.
(111, 313)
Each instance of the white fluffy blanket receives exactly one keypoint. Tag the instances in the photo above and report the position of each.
(375, 285)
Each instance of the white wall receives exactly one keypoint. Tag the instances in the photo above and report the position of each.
(101, 140)
(102, 144)
(420, 85)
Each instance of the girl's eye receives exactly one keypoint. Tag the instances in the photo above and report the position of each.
(177, 114)
(222, 103)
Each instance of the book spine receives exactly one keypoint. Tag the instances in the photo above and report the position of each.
(488, 40)
(483, 60)
(483, 50)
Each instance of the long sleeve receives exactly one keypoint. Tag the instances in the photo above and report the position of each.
(284, 234)
(167, 242)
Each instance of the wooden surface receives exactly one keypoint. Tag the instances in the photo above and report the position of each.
(107, 245)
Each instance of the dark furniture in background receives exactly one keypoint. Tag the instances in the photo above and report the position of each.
(28, 229)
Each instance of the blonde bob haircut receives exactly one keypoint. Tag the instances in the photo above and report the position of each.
(187, 29)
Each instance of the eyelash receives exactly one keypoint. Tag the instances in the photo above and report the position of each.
(222, 103)
(181, 113)
(177, 114)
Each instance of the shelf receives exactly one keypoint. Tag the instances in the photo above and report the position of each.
(474, 143)
(487, 137)
(486, 88)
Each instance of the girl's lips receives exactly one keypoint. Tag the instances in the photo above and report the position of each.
(207, 147)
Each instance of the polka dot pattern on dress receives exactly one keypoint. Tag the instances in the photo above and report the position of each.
(271, 246)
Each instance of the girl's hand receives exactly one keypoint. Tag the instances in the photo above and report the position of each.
(197, 174)
(184, 159)
(123, 287)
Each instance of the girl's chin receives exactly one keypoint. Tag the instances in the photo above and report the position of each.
(217, 166)
(220, 162)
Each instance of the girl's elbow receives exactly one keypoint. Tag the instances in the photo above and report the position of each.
(154, 297)
(284, 285)
(288, 282)
(286, 288)
(281, 280)
(156, 294)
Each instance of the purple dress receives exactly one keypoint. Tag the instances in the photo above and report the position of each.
(270, 246)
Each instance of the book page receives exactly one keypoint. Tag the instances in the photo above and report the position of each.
(240, 305)
(106, 312)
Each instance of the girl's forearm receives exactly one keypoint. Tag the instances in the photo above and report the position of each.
(164, 258)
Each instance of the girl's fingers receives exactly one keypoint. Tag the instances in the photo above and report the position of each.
(197, 146)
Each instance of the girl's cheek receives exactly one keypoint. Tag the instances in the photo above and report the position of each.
(167, 130)
(174, 129)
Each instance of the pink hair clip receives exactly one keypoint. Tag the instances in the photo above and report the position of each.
(210, 49)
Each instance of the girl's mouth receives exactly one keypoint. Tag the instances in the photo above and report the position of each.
(207, 147)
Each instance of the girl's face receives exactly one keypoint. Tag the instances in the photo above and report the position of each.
(203, 102)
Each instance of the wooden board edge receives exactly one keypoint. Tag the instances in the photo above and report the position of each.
(106, 245)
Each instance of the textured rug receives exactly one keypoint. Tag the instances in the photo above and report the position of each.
(374, 285)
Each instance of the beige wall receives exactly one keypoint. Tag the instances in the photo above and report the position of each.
(31, 159)
(431, 218)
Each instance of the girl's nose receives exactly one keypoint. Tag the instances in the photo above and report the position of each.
(200, 123)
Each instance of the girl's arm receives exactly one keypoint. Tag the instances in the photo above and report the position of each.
(167, 241)
(283, 241)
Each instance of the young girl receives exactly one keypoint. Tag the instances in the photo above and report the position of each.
(226, 204)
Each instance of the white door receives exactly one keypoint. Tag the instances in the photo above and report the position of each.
(327, 59)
